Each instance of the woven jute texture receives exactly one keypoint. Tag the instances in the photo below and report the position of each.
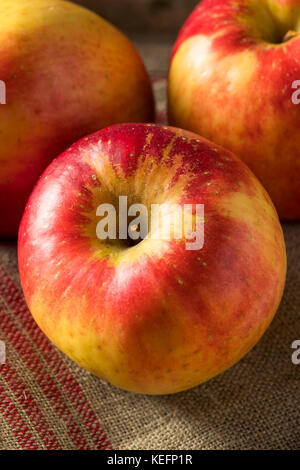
(48, 402)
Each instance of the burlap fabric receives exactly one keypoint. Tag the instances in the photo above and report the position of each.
(48, 402)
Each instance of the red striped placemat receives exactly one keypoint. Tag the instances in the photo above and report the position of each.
(41, 360)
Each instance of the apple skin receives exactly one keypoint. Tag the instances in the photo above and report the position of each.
(68, 73)
(230, 80)
(154, 318)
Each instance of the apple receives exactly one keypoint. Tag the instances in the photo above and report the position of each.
(151, 315)
(234, 78)
(67, 73)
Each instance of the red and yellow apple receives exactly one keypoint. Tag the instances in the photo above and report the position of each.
(232, 77)
(67, 73)
(151, 317)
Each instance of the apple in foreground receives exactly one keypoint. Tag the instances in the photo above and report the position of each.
(233, 78)
(67, 73)
(151, 316)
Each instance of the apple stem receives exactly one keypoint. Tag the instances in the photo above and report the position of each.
(290, 35)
